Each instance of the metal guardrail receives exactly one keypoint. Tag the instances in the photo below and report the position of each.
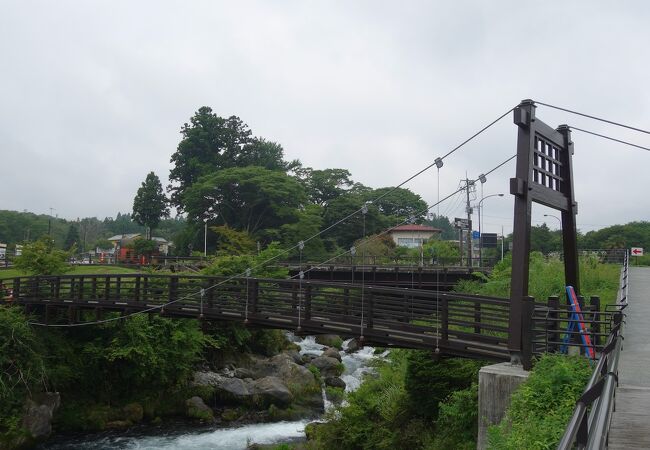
(592, 415)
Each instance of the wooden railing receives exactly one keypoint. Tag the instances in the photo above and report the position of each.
(456, 324)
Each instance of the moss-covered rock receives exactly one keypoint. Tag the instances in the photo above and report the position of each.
(133, 412)
(230, 415)
(196, 409)
(330, 340)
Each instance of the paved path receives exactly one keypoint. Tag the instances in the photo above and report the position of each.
(630, 427)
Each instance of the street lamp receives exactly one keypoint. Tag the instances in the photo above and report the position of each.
(480, 234)
(556, 218)
(205, 239)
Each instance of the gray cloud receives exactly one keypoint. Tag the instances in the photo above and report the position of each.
(94, 93)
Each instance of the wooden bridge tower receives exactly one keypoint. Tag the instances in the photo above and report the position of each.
(543, 175)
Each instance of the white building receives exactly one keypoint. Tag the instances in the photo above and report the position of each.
(412, 236)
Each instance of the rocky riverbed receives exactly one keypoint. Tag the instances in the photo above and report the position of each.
(257, 400)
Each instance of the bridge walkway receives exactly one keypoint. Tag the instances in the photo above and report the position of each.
(630, 427)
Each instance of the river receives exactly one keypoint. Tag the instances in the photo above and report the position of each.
(237, 438)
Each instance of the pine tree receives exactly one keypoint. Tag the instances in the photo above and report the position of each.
(72, 237)
(150, 203)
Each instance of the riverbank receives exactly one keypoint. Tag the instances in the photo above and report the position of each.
(239, 434)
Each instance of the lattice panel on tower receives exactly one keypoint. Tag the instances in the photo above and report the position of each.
(547, 167)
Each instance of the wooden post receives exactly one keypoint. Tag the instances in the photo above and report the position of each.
(295, 301)
(80, 292)
(553, 325)
(445, 321)
(253, 294)
(118, 287)
(34, 282)
(94, 288)
(307, 302)
(71, 294)
(16, 289)
(136, 289)
(528, 308)
(594, 302)
(145, 288)
(57, 288)
(107, 288)
(477, 317)
(371, 308)
(173, 288)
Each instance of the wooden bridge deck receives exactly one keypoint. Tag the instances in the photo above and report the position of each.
(456, 324)
(630, 428)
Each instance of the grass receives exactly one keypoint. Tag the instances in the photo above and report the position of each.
(77, 270)
(540, 408)
(547, 279)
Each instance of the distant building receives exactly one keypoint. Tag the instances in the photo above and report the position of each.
(412, 236)
(120, 241)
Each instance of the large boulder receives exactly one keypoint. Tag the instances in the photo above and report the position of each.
(332, 353)
(328, 367)
(196, 409)
(227, 388)
(38, 414)
(330, 340)
(353, 346)
(335, 382)
(243, 372)
(283, 367)
(295, 356)
(272, 391)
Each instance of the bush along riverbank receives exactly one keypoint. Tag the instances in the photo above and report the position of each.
(150, 370)
(146, 369)
(412, 401)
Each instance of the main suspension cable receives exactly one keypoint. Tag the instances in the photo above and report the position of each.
(424, 211)
(610, 138)
(589, 116)
(437, 163)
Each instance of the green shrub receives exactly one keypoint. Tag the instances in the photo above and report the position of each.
(429, 382)
(316, 372)
(22, 369)
(457, 424)
(541, 407)
(335, 394)
(42, 258)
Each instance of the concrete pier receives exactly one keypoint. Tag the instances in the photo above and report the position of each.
(496, 383)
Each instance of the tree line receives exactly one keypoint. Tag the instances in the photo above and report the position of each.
(85, 234)
(223, 176)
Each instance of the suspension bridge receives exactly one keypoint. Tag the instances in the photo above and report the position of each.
(449, 324)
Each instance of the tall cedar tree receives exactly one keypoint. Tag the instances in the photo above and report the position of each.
(150, 203)
(211, 143)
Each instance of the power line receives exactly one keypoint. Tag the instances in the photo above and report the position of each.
(610, 138)
(437, 162)
(594, 117)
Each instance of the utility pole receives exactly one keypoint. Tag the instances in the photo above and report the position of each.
(502, 239)
(469, 222)
(49, 222)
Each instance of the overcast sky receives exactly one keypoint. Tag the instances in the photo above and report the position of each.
(93, 93)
